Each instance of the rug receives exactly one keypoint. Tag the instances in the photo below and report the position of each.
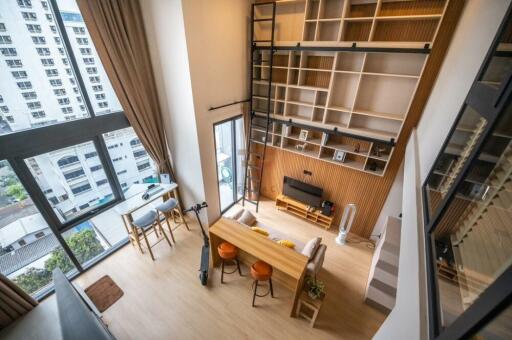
(104, 293)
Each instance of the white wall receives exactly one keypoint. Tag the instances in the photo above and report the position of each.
(392, 206)
(165, 30)
(200, 56)
(473, 37)
(217, 40)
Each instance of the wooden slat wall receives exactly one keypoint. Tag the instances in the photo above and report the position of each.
(344, 185)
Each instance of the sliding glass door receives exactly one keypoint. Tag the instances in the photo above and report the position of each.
(229, 154)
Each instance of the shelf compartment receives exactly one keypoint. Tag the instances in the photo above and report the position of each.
(309, 31)
(280, 92)
(357, 30)
(279, 75)
(375, 166)
(418, 7)
(260, 105)
(294, 59)
(297, 95)
(380, 151)
(361, 10)
(298, 111)
(328, 30)
(279, 108)
(350, 61)
(261, 90)
(293, 77)
(318, 115)
(312, 9)
(384, 96)
(405, 30)
(280, 59)
(337, 118)
(344, 90)
(347, 144)
(316, 60)
(321, 98)
(259, 136)
(288, 25)
(409, 64)
(315, 78)
(375, 127)
(312, 137)
(331, 9)
(276, 141)
(300, 147)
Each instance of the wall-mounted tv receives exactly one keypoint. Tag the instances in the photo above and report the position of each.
(302, 192)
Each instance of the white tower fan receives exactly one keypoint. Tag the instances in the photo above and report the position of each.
(346, 223)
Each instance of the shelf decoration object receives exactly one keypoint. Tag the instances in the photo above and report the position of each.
(303, 135)
(339, 156)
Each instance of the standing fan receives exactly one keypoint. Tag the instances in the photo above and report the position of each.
(205, 250)
(346, 222)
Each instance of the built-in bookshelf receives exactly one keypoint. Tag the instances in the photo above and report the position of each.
(371, 22)
(361, 93)
(359, 154)
(350, 66)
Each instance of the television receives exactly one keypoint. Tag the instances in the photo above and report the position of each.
(302, 192)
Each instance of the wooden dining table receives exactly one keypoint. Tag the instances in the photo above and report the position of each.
(135, 202)
(289, 266)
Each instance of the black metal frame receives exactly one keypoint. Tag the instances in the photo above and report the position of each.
(17, 146)
(233, 161)
(498, 295)
(352, 48)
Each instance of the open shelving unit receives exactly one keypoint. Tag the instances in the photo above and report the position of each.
(345, 69)
(414, 23)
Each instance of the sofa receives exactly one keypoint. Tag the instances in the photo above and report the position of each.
(313, 249)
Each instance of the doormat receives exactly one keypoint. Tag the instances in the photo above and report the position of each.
(104, 293)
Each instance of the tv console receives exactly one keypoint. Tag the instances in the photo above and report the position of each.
(300, 209)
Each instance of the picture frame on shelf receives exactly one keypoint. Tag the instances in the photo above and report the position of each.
(339, 156)
(325, 139)
(301, 147)
(303, 135)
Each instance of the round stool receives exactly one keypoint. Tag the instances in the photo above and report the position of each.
(261, 271)
(228, 253)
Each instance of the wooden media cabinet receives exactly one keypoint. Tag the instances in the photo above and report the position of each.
(300, 209)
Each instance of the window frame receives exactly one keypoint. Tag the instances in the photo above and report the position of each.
(17, 146)
(498, 295)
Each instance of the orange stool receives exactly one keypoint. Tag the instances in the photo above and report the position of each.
(228, 253)
(261, 271)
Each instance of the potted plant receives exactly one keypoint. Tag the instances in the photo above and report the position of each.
(315, 288)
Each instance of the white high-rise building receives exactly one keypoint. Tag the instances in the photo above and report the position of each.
(38, 87)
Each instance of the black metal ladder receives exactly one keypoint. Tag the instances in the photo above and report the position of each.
(255, 159)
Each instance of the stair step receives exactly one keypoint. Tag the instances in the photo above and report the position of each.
(262, 19)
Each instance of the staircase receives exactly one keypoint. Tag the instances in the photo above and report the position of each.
(255, 155)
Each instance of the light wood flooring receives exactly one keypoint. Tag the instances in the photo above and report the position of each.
(164, 299)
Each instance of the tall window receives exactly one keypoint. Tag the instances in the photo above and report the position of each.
(59, 117)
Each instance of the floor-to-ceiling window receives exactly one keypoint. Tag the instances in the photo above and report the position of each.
(67, 152)
(229, 153)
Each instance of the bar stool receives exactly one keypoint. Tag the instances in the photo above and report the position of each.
(228, 253)
(170, 209)
(144, 226)
(261, 271)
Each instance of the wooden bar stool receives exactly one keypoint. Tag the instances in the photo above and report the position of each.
(147, 224)
(170, 210)
(261, 271)
(228, 253)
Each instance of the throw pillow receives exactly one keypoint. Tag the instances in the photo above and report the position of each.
(287, 243)
(247, 218)
(311, 247)
(260, 231)
(234, 215)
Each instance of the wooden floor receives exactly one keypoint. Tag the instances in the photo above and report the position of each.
(164, 299)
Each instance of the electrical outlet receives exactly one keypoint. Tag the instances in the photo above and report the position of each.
(308, 173)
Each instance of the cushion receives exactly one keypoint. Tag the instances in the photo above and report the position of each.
(287, 243)
(311, 247)
(247, 218)
(260, 231)
(234, 214)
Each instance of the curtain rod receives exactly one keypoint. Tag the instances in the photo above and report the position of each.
(233, 103)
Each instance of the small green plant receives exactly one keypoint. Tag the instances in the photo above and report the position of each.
(315, 288)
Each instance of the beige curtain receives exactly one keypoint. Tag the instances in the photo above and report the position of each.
(14, 302)
(117, 31)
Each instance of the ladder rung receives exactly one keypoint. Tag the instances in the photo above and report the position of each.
(251, 201)
(262, 41)
(262, 19)
(254, 166)
(256, 153)
(260, 79)
(252, 190)
(253, 179)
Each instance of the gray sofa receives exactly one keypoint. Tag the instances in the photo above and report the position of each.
(316, 261)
